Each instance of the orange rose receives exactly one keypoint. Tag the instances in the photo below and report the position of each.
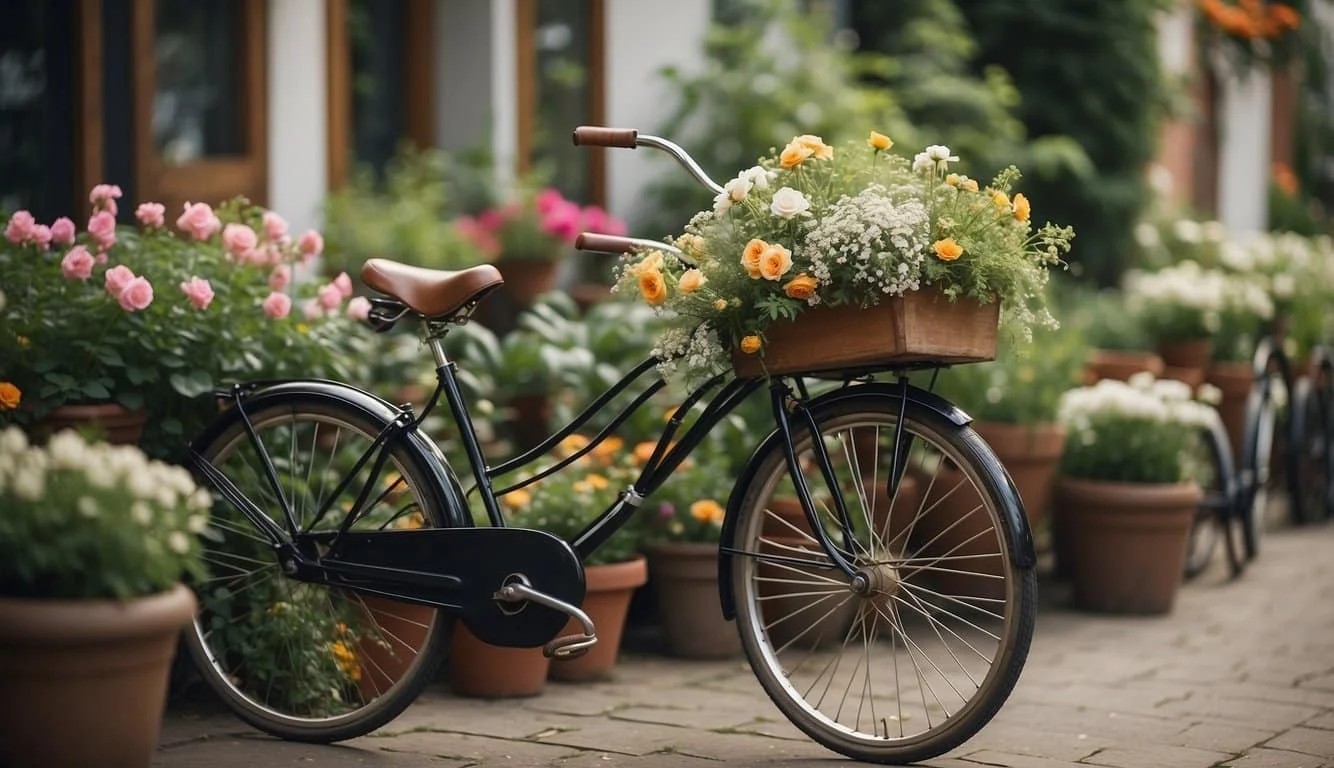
(750, 257)
(10, 396)
(794, 155)
(775, 262)
(691, 280)
(751, 344)
(1021, 207)
(879, 141)
(947, 249)
(653, 287)
(801, 287)
(815, 144)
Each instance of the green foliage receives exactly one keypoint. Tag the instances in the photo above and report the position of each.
(94, 521)
(1088, 70)
(1022, 386)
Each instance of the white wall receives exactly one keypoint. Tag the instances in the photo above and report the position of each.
(464, 72)
(1243, 151)
(298, 133)
(642, 37)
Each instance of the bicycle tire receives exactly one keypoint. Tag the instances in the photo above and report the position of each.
(1311, 440)
(1256, 467)
(298, 660)
(1217, 515)
(939, 600)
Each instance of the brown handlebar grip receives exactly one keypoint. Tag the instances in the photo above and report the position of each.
(600, 136)
(592, 241)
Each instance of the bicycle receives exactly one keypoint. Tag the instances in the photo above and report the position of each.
(1219, 515)
(909, 573)
(1311, 442)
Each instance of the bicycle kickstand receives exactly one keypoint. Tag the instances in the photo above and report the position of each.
(567, 647)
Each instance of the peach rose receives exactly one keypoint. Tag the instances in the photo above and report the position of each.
(750, 257)
(801, 287)
(691, 280)
(816, 145)
(1021, 207)
(77, 264)
(947, 249)
(198, 221)
(775, 262)
(793, 155)
(137, 295)
(653, 287)
(751, 344)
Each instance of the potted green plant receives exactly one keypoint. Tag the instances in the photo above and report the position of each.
(1125, 496)
(1247, 312)
(150, 319)
(95, 540)
(1180, 307)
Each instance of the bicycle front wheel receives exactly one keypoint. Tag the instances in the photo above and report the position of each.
(300, 660)
(919, 660)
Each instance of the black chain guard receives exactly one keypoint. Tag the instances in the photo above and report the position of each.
(460, 569)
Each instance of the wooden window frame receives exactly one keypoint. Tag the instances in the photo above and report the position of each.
(419, 65)
(525, 17)
(214, 178)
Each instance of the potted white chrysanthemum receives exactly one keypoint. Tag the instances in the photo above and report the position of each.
(1181, 308)
(1126, 498)
(94, 542)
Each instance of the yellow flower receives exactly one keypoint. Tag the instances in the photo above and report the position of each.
(750, 257)
(720, 304)
(815, 144)
(801, 287)
(952, 179)
(708, 511)
(775, 262)
(347, 660)
(597, 481)
(947, 249)
(582, 486)
(751, 344)
(517, 500)
(1001, 199)
(794, 155)
(302, 328)
(691, 280)
(1021, 207)
(879, 141)
(10, 396)
(652, 261)
(653, 287)
(969, 184)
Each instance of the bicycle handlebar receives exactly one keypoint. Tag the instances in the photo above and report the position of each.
(601, 136)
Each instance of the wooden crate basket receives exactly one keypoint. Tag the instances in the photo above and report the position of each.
(922, 326)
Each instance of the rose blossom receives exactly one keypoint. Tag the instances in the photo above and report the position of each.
(598, 220)
(330, 296)
(562, 221)
(344, 284)
(789, 202)
(103, 197)
(102, 228)
(138, 294)
(311, 244)
(198, 291)
(312, 309)
(41, 234)
(275, 227)
(62, 231)
(548, 200)
(198, 220)
(117, 278)
(239, 240)
(359, 308)
(77, 264)
(20, 227)
(152, 215)
(280, 277)
(277, 305)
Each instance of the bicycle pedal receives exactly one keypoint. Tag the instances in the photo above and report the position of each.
(518, 589)
(569, 646)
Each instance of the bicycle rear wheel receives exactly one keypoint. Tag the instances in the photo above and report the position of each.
(1311, 441)
(300, 660)
(1214, 517)
(918, 662)
(1256, 480)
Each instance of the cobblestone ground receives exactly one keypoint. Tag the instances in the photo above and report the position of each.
(1241, 674)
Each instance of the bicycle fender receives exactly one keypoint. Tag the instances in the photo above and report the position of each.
(1021, 550)
(445, 486)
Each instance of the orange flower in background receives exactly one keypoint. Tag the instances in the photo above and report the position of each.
(801, 287)
(1001, 199)
(517, 500)
(751, 344)
(947, 249)
(708, 511)
(750, 257)
(644, 451)
(652, 287)
(346, 659)
(1285, 179)
(572, 445)
(606, 450)
(1021, 207)
(10, 396)
(879, 141)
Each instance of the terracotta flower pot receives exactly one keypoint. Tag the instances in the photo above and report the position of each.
(1234, 381)
(403, 627)
(532, 413)
(1031, 453)
(685, 578)
(85, 681)
(1190, 355)
(606, 601)
(526, 279)
(488, 671)
(1127, 542)
(1120, 364)
(120, 426)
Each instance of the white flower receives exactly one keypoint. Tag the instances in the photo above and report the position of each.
(29, 482)
(13, 442)
(87, 506)
(738, 188)
(922, 163)
(940, 157)
(1188, 231)
(756, 175)
(1208, 393)
(789, 202)
(721, 202)
(1146, 235)
(196, 524)
(178, 542)
(141, 513)
(67, 450)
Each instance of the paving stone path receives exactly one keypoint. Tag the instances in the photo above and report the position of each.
(1240, 674)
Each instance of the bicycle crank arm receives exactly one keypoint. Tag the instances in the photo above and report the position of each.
(566, 647)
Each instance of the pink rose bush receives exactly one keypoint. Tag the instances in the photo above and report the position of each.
(537, 225)
(89, 315)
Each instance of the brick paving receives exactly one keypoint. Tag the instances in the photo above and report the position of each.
(1240, 674)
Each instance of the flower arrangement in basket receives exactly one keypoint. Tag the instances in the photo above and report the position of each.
(812, 231)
